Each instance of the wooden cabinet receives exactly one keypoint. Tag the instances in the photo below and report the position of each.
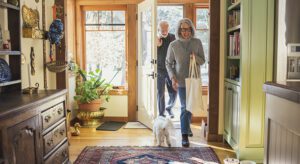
(23, 134)
(23, 142)
(232, 110)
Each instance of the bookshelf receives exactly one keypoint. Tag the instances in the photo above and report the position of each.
(232, 80)
(248, 64)
(233, 54)
(10, 23)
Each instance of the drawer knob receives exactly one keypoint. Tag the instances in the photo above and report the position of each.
(62, 132)
(64, 153)
(60, 111)
(47, 118)
(55, 133)
(50, 142)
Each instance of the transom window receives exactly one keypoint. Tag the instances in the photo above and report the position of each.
(170, 13)
(105, 44)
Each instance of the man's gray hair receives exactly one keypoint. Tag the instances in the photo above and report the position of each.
(161, 23)
(187, 21)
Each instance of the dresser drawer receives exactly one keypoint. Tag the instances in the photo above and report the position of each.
(52, 115)
(60, 156)
(54, 137)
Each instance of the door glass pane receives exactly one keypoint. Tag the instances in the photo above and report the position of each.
(146, 37)
(202, 32)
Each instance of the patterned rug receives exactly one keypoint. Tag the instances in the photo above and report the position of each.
(146, 155)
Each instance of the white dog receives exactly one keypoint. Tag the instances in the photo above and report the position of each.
(161, 127)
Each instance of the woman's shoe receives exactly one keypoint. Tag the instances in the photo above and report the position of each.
(190, 133)
(185, 140)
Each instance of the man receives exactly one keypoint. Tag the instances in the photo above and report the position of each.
(163, 41)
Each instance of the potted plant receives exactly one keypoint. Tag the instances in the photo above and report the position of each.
(91, 90)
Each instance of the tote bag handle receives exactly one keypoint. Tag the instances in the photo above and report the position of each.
(193, 70)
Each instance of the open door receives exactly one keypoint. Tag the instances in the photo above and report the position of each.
(147, 105)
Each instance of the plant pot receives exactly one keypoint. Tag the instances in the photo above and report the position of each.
(90, 119)
(93, 106)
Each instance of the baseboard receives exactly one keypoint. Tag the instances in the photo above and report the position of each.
(215, 137)
(199, 119)
(117, 119)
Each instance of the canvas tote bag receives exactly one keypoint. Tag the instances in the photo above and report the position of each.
(193, 86)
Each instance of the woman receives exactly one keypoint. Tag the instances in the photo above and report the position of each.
(177, 63)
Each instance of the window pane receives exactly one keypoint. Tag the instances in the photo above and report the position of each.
(118, 17)
(92, 28)
(105, 27)
(202, 18)
(117, 28)
(106, 50)
(172, 14)
(105, 17)
(91, 17)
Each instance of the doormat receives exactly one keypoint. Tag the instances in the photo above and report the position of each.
(146, 155)
(134, 125)
(111, 126)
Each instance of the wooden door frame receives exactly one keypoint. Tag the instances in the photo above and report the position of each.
(130, 49)
(214, 72)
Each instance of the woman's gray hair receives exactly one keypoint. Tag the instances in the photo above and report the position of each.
(187, 21)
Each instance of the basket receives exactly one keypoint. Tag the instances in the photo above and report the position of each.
(57, 66)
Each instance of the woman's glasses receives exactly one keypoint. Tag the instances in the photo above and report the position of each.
(185, 30)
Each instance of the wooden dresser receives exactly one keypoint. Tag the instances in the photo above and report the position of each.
(33, 128)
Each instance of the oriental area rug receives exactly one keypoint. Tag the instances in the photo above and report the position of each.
(146, 155)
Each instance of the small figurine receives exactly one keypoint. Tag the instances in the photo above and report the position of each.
(32, 61)
(75, 131)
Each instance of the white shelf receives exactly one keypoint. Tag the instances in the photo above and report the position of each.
(235, 6)
(8, 52)
(235, 28)
(234, 57)
(10, 83)
(233, 81)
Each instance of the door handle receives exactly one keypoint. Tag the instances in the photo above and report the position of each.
(152, 75)
(153, 61)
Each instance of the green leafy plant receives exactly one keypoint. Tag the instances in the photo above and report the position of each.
(92, 86)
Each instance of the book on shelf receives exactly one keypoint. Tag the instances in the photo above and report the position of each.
(234, 44)
(234, 1)
(234, 18)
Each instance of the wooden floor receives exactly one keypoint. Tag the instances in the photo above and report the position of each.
(139, 137)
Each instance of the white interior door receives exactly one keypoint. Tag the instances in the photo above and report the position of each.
(147, 105)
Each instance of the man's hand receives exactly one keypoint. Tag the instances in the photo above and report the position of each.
(159, 41)
(174, 84)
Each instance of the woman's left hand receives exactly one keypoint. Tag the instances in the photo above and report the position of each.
(192, 55)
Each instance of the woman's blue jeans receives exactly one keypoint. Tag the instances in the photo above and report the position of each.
(185, 116)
